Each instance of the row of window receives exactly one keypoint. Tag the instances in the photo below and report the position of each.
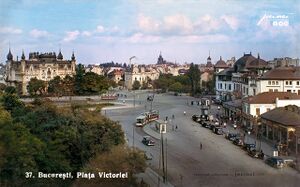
(286, 83)
(220, 86)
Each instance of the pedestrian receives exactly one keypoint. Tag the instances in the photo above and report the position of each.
(176, 127)
(200, 146)
(173, 117)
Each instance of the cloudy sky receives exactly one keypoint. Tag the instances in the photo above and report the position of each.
(183, 30)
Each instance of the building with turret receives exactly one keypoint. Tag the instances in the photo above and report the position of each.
(43, 66)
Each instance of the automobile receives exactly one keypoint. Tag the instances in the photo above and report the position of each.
(218, 130)
(275, 162)
(238, 141)
(232, 136)
(148, 141)
(205, 124)
(248, 146)
(196, 117)
(256, 154)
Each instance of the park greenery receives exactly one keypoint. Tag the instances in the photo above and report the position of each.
(41, 136)
(83, 83)
(187, 83)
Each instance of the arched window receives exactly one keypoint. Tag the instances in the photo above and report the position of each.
(49, 73)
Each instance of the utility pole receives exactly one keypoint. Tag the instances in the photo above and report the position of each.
(163, 157)
(166, 159)
(133, 137)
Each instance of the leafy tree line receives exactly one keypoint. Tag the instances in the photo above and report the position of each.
(83, 83)
(188, 83)
(46, 138)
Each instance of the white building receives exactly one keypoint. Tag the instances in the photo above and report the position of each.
(282, 79)
(43, 66)
(254, 106)
(141, 74)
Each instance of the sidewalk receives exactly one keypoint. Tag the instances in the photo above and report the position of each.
(150, 129)
(152, 178)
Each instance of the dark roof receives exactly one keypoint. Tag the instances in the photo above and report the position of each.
(270, 97)
(249, 61)
(226, 72)
(282, 73)
(237, 103)
(221, 64)
(287, 116)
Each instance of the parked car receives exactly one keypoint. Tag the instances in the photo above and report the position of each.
(218, 130)
(196, 117)
(256, 154)
(238, 141)
(147, 140)
(275, 162)
(232, 136)
(248, 146)
(206, 124)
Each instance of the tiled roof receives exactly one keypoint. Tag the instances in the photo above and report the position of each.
(287, 116)
(221, 64)
(270, 97)
(282, 73)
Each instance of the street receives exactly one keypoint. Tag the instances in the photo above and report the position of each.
(218, 163)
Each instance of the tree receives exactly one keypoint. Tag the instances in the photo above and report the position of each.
(136, 85)
(119, 159)
(10, 90)
(176, 87)
(79, 79)
(36, 87)
(194, 76)
(55, 87)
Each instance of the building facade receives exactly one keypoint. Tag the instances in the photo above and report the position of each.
(43, 66)
(281, 79)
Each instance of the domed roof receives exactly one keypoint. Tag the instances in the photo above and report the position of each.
(243, 62)
(258, 63)
(9, 55)
(221, 63)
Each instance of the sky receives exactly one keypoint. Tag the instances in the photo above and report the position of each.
(101, 31)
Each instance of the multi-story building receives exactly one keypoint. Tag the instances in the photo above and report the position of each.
(95, 69)
(141, 74)
(254, 106)
(2, 74)
(220, 65)
(43, 66)
(281, 79)
(284, 62)
(240, 80)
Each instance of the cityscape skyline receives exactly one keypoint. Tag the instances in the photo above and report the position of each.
(183, 31)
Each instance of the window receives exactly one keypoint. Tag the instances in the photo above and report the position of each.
(229, 87)
(270, 90)
(254, 91)
(277, 83)
(269, 82)
(275, 90)
(273, 82)
(257, 111)
(298, 83)
(289, 90)
(225, 86)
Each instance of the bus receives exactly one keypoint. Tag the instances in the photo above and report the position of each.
(141, 121)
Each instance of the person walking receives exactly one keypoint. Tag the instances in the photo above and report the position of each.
(176, 127)
(200, 146)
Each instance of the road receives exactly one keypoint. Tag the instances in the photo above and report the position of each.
(218, 163)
